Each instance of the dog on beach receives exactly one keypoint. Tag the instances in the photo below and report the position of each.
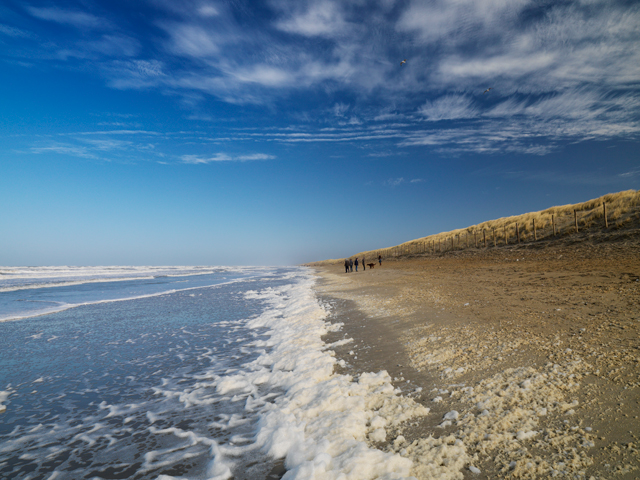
(371, 265)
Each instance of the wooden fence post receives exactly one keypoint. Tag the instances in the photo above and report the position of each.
(475, 236)
(606, 223)
(517, 233)
(440, 245)
(451, 243)
(506, 239)
(494, 237)
(484, 237)
(553, 222)
(575, 217)
(466, 237)
(535, 233)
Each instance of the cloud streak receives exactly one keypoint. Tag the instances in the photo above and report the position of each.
(223, 157)
(74, 18)
(558, 70)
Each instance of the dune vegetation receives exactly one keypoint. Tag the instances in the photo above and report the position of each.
(582, 221)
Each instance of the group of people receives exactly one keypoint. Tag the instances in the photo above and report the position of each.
(349, 263)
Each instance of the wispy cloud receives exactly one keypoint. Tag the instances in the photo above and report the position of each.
(558, 70)
(386, 153)
(313, 18)
(223, 157)
(75, 18)
(14, 32)
(65, 149)
(448, 107)
(393, 182)
(630, 173)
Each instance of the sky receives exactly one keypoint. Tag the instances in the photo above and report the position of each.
(158, 132)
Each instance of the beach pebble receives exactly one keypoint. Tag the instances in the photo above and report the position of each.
(475, 470)
(437, 399)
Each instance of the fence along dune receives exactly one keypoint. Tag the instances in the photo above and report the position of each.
(622, 211)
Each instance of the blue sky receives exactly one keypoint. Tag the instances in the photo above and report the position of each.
(279, 132)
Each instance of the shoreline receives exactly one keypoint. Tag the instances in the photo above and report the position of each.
(545, 339)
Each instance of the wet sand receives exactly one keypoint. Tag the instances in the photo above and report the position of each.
(536, 348)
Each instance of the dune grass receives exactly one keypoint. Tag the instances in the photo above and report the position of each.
(623, 208)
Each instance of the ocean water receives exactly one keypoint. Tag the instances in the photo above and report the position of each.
(176, 372)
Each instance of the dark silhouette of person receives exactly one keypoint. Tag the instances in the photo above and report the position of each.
(346, 266)
(351, 264)
(356, 264)
(380, 259)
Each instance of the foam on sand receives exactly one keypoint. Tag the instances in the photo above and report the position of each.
(326, 425)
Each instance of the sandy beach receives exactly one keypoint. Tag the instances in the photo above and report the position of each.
(527, 356)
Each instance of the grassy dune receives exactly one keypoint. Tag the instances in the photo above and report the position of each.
(623, 212)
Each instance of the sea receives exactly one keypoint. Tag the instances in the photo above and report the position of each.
(180, 373)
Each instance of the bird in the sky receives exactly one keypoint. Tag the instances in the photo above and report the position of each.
(403, 61)
(486, 90)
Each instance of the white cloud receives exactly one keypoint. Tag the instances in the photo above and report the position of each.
(448, 107)
(558, 70)
(208, 10)
(223, 157)
(193, 40)
(508, 108)
(630, 173)
(125, 74)
(68, 17)
(339, 109)
(255, 156)
(14, 32)
(264, 75)
(107, 144)
(394, 182)
(64, 149)
(322, 18)
(417, 180)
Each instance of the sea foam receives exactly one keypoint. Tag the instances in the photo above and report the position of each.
(324, 423)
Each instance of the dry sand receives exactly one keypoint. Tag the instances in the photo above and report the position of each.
(536, 348)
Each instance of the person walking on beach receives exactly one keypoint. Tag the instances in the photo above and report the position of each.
(364, 267)
(346, 265)
(356, 264)
(351, 264)
(380, 259)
